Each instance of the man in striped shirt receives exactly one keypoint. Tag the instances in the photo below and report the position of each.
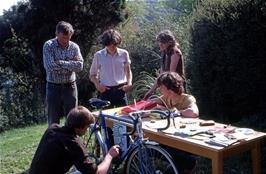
(62, 59)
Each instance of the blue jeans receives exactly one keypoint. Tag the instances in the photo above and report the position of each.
(61, 98)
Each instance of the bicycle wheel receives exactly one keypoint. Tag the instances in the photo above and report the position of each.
(155, 160)
(95, 145)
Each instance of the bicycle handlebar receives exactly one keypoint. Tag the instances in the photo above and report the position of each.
(163, 114)
(100, 104)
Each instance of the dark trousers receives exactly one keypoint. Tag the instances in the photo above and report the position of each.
(61, 98)
(184, 161)
(118, 98)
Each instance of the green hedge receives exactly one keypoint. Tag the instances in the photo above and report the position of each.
(228, 57)
(21, 102)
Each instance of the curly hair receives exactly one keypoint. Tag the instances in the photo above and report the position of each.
(109, 37)
(172, 81)
(167, 37)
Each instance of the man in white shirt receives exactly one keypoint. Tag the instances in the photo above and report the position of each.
(110, 70)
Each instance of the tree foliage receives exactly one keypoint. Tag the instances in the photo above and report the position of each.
(27, 25)
(146, 20)
(227, 57)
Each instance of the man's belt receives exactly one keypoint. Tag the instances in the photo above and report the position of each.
(115, 88)
(61, 84)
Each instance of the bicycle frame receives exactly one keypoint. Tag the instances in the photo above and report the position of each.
(134, 119)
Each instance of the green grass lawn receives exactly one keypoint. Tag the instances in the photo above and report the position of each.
(17, 148)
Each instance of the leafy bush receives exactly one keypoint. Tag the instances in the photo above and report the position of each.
(21, 103)
(227, 57)
(139, 32)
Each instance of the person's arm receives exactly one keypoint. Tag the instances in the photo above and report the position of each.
(151, 91)
(73, 64)
(94, 76)
(105, 164)
(48, 60)
(128, 73)
(191, 112)
(174, 61)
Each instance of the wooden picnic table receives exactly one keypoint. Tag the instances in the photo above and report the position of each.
(196, 144)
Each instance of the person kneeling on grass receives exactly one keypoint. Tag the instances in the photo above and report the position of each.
(173, 97)
(60, 147)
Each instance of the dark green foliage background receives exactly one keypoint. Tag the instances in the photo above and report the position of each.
(227, 58)
(25, 27)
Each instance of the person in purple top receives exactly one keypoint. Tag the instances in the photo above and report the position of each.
(61, 59)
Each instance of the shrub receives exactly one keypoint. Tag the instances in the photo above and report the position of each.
(227, 57)
(21, 103)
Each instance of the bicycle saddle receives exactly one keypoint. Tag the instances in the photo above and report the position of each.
(98, 103)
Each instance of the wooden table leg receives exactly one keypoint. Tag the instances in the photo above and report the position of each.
(217, 164)
(255, 155)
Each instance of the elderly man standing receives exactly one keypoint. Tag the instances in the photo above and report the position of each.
(62, 59)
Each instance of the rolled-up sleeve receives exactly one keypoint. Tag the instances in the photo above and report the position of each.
(94, 66)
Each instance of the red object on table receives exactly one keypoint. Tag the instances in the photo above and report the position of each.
(140, 105)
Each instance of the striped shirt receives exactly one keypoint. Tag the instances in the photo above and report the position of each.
(60, 63)
(110, 69)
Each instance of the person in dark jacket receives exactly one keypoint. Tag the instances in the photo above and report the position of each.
(60, 147)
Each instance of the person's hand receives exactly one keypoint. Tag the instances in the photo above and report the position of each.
(114, 151)
(76, 58)
(160, 107)
(54, 125)
(125, 87)
(101, 88)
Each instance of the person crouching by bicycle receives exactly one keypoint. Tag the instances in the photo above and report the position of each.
(60, 147)
(173, 97)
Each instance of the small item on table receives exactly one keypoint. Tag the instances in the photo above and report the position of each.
(207, 123)
(152, 121)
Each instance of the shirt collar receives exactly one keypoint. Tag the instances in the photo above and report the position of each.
(119, 52)
(57, 44)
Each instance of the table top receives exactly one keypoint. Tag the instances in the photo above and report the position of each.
(217, 137)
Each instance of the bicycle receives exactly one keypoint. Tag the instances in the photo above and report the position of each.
(141, 156)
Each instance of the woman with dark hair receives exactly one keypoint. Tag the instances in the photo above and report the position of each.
(172, 59)
(173, 96)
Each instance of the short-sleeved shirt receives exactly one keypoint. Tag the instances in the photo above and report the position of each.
(183, 101)
(64, 70)
(110, 69)
(58, 150)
